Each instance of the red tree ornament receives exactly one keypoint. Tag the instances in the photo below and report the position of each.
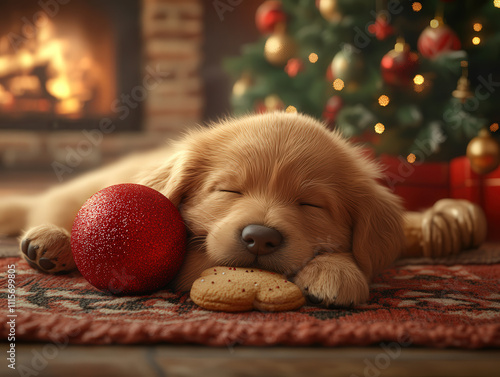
(294, 66)
(398, 66)
(128, 239)
(436, 39)
(268, 15)
(332, 108)
(329, 73)
(381, 28)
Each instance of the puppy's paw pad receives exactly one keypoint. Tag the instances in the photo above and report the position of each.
(47, 248)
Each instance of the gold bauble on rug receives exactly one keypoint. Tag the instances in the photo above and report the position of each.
(483, 152)
(279, 48)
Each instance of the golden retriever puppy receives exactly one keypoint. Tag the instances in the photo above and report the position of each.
(275, 191)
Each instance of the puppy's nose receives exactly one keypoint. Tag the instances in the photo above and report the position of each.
(261, 240)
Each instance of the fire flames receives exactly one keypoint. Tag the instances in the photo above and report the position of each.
(49, 73)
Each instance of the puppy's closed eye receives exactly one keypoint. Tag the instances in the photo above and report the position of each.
(310, 205)
(232, 192)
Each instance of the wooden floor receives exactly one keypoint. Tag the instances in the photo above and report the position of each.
(171, 360)
(194, 361)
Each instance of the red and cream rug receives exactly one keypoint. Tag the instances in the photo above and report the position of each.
(414, 303)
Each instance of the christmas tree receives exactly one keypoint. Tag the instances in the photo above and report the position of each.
(415, 79)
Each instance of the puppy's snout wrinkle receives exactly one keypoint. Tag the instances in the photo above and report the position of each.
(261, 240)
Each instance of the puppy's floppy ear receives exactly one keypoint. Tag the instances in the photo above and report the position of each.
(378, 237)
(173, 177)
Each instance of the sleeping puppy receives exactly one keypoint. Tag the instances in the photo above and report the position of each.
(275, 191)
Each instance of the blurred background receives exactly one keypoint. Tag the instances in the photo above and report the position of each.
(389, 73)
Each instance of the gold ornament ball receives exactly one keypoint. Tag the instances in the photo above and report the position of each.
(273, 103)
(329, 10)
(483, 152)
(241, 86)
(279, 48)
(348, 66)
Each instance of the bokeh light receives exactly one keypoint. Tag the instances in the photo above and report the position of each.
(418, 79)
(434, 23)
(313, 58)
(476, 40)
(411, 158)
(338, 84)
(494, 127)
(477, 26)
(383, 100)
(291, 109)
(416, 6)
(379, 128)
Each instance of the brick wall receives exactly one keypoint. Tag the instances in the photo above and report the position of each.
(173, 36)
(172, 44)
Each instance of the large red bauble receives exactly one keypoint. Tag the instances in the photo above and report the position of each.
(128, 239)
(435, 41)
(268, 15)
(398, 67)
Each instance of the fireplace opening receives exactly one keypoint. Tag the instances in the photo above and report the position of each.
(64, 64)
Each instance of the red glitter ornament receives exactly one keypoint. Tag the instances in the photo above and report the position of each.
(128, 239)
(268, 15)
(435, 40)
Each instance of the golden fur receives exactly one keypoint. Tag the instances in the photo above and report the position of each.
(284, 171)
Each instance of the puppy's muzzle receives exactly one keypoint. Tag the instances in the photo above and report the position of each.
(261, 240)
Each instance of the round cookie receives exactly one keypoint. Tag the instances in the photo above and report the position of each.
(232, 289)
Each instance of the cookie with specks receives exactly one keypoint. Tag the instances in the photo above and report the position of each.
(232, 289)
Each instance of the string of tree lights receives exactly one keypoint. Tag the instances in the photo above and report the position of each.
(410, 78)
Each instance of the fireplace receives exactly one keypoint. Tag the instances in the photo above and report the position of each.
(81, 65)
(65, 64)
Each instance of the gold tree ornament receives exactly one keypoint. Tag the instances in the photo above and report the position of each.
(348, 66)
(241, 85)
(329, 10)
(280, 47)
(483, 152)
(273, 103)
(463, 91)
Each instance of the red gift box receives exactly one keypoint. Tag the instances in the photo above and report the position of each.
(420, 185)
(483, 190)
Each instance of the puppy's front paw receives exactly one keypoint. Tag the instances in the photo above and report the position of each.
(333, 280)
(48, 248)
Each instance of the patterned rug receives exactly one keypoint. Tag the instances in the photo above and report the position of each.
(434, 305)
